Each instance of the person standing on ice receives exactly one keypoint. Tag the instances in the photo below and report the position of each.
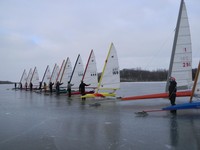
(58, 87)
(172, 92)
(82, 88)
(69, 88)
(51, 87)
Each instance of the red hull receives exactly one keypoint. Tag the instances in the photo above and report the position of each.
(158, 95)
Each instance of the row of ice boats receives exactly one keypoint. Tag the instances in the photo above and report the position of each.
(109, 81)
(180, 68)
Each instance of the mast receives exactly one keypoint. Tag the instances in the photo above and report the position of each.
(195, 82)
(45, 73)
(74, 67)
(60, 70)
(32, 75)
(102, 74)
(63, 70)
(87, 64)
(54, 68)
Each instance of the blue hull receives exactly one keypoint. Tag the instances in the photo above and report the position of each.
(192, 105)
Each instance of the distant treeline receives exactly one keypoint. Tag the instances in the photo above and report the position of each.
(6, 82)
(135, 75)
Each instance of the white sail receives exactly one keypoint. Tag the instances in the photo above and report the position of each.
(23, 78)
(77, 73)
(54, 74)
(181, 58)
(67, 72)
(90, 75)
(35, 78)
(47, 76)
(60, 71)
(30, 73)
(110, 77)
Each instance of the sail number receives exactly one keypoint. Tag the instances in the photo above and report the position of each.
(186, 64)
(115, 71)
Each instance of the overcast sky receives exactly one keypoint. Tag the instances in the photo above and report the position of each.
(44, 32)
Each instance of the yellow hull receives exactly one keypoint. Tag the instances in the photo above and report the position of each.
(99, 95)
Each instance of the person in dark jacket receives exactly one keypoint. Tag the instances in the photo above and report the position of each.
(20, 86)
(31, 86)
(82, 88)
(26, 86)
(69, 86)
(40, 86)
(172, 92)
(58, 87)
(51, 87)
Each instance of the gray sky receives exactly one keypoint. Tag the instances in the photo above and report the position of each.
(44, 32)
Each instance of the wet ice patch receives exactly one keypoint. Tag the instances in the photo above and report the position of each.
(168, 146)
(107, 122)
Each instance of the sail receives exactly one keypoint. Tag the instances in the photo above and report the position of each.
(67, 72)
(30, 73)
(54, 74)
(77, 73)
(180, 66)
(23, 78)
(60, 72)
(90, 73)
(181, 58)
(110, 77)
(47, 76)
(35, 78)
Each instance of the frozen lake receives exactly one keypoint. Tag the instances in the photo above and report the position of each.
(32, 121)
